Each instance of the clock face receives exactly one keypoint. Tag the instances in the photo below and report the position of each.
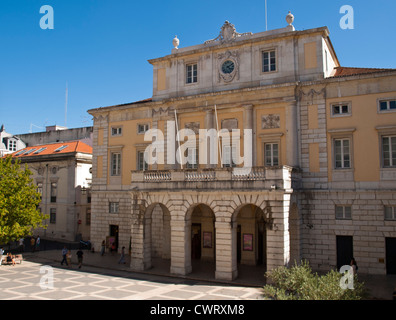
(228, 66)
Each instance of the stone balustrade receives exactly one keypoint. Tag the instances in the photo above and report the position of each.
(230, 178)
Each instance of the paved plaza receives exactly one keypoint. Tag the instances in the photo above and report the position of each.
(29, 281)
(103, 278)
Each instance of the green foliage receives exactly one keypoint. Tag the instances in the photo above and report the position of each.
(18, 202)
(300, 283)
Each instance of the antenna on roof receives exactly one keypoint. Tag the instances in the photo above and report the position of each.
(266, 25)
(66, 106)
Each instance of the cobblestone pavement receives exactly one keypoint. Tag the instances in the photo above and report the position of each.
(29, 281)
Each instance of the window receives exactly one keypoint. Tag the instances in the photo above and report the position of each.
(113, 207)
(192, 158)
(343, 212)
(29, 151)
(342, 153)
(271, 154)
(229, 156)
(389, 151)
(12, 145)
(340, 109)
(269, 61)
(116, 131)
(387, 105)
(40, 150)
(192, 73)
(20, 152)
(52, 215)
(390, 213)
(88, 217)
(54, 188)
(142, 128)
(141, 163)
(61, 148)
(116, 164)
(40, 187)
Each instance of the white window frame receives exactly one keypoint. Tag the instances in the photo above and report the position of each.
(141, 166)
(342, 153)
(192, 79)
(271, 156)
(392, 162)
(341, 105)
(115, 164)
(269, 51)
(12, 145)
(192, 158)
(116, 131)
(390, 216)
(344, 212)
(142, 128)
(114, 207)
(388, 105)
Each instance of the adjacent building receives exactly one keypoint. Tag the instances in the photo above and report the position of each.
(318, 140)
(62, 173)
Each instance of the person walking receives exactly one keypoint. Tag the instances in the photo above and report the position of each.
(80, 254)
(122, 258)
(68, 258)
(38, 243)
(102, 249)
(32, 243)
(1, 255)
(64, 253)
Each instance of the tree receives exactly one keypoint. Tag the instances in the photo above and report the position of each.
(300, 283)
(19, 200)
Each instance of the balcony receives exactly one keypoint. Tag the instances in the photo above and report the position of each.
(256, 178)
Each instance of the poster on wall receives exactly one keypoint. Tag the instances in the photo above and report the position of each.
(248, 242)
(207, 239)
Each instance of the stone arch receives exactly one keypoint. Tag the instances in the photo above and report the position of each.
(200, 234)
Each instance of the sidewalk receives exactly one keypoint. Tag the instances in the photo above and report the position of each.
(380, 286)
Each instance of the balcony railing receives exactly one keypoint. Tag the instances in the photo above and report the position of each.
(258, 177)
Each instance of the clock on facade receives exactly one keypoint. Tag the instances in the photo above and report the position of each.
(228, 66)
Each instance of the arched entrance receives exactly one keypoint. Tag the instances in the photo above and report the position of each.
(157, 234)
(251, 224)
(200, 220)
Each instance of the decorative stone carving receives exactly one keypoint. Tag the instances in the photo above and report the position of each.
(194, 126)
(229, 124)
(223, 57)
(227, 34)
(176, 42)
(161, 112)
(270, 121)
(290, 18)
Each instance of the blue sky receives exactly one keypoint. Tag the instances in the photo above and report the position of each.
(100, 48)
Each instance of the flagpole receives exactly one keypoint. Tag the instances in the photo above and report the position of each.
(177, 128)
(218, 137)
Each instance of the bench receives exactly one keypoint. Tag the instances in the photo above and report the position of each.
(18, 259)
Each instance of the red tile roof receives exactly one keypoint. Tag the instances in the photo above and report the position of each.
(348, 71)
(47, 149)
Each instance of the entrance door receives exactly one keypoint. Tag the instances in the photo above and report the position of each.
(261, 244)
(196, 241)
(390, 247)
(239, 244)
(344, 250)
(114, 233)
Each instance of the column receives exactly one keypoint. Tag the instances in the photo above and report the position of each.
(180, 246)
(210, 124)
(226, 251)
(141, 238)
